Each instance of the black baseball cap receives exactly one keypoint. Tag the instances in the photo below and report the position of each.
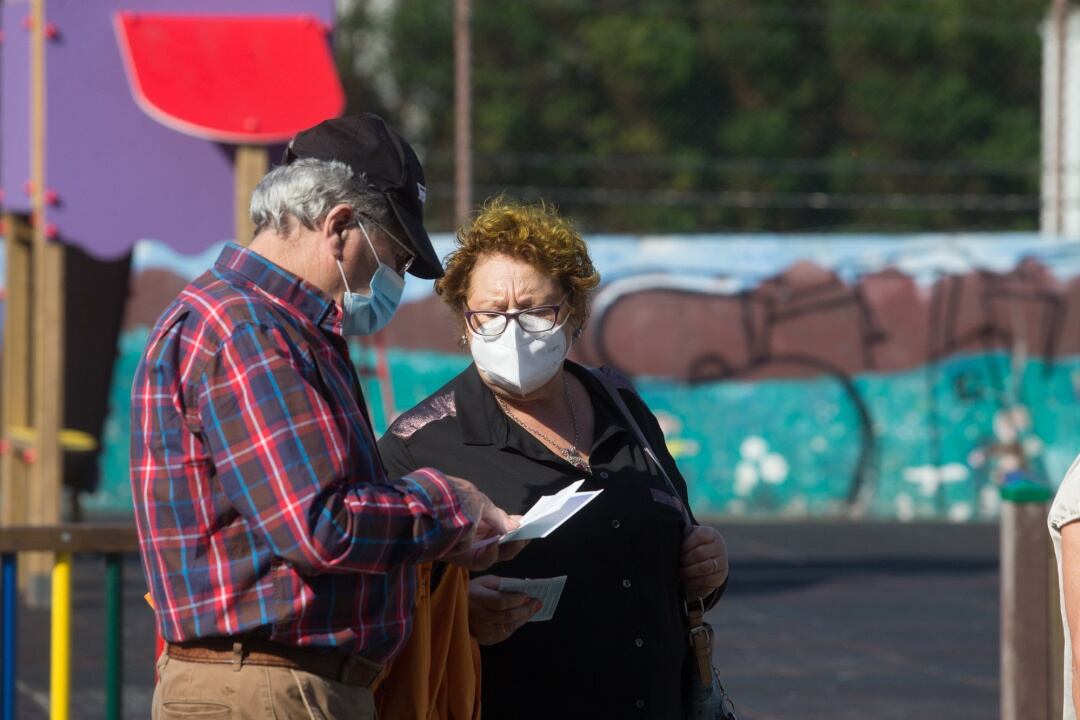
(374, 149)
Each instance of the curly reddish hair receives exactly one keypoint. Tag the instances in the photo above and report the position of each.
(535, 233)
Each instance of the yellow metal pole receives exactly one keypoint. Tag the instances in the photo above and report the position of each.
(60, 675)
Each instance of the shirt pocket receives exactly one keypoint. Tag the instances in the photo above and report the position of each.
(660, 530)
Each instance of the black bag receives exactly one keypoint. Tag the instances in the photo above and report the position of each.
(705, 698)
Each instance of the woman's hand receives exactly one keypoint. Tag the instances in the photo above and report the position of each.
(704, 564)
(494, 615)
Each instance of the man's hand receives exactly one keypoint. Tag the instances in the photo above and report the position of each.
(494, 615)
(488, 522)
(704, 561)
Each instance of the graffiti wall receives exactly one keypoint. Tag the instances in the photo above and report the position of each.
(882, 376)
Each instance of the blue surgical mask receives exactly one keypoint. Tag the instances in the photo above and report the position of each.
(365, 314)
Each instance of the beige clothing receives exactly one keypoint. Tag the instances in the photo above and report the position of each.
(1064, 510)
(207, 691)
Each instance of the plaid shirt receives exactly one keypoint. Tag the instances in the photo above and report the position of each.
(261, 502)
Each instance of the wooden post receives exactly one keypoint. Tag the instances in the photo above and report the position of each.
(71, 538)
(463, 179)
(15, 410)
(47, 325)
(250, 164)
(46, 472)
(1026, 657)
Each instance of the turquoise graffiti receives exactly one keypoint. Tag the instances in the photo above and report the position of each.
(870, 376)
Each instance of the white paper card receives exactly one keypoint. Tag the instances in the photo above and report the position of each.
(551, 511)
(548, 591)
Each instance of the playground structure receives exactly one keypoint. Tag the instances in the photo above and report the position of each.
(120, 122)
(125, 127)
(63, 542)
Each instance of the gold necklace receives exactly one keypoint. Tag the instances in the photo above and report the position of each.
(568, 453)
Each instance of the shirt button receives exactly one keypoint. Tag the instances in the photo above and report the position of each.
(640, 704)
(615, 524)
(603, 475)
(638, 642)
(626, 583)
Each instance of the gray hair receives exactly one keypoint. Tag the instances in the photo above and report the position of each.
(307, 190)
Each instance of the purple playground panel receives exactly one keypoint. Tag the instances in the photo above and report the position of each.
(14, 108)
(118, 175)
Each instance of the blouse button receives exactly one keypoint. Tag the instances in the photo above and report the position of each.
(615, 524)
(640, 704)
(603, 475)
(638, 642)
(626, 583)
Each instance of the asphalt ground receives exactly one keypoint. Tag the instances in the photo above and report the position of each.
(821, 621)
(854, 621)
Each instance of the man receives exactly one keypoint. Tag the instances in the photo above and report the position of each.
(278, 553)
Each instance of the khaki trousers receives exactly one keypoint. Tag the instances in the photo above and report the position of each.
(208, 691)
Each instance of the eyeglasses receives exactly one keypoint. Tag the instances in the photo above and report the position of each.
(403, 255)
(490, 323)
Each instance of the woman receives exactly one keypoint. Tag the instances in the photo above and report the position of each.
(1065, 532)
(523, 422)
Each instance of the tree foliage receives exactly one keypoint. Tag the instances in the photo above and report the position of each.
(722, 115)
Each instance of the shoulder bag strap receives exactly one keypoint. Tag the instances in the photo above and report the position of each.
(616, 396)
(700, 632)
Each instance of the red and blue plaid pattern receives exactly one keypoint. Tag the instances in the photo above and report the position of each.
(261, 503)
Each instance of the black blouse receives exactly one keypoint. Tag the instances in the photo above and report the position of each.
(617, 643)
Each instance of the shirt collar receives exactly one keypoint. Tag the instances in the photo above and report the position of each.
(281, 284)
(608, 419)
(482, 422)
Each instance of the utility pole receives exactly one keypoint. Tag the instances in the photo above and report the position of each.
(462, 111)
(1060, 14)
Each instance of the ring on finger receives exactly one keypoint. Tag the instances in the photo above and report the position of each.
(715, 565)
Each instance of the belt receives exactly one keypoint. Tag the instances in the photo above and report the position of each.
(239, 651)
